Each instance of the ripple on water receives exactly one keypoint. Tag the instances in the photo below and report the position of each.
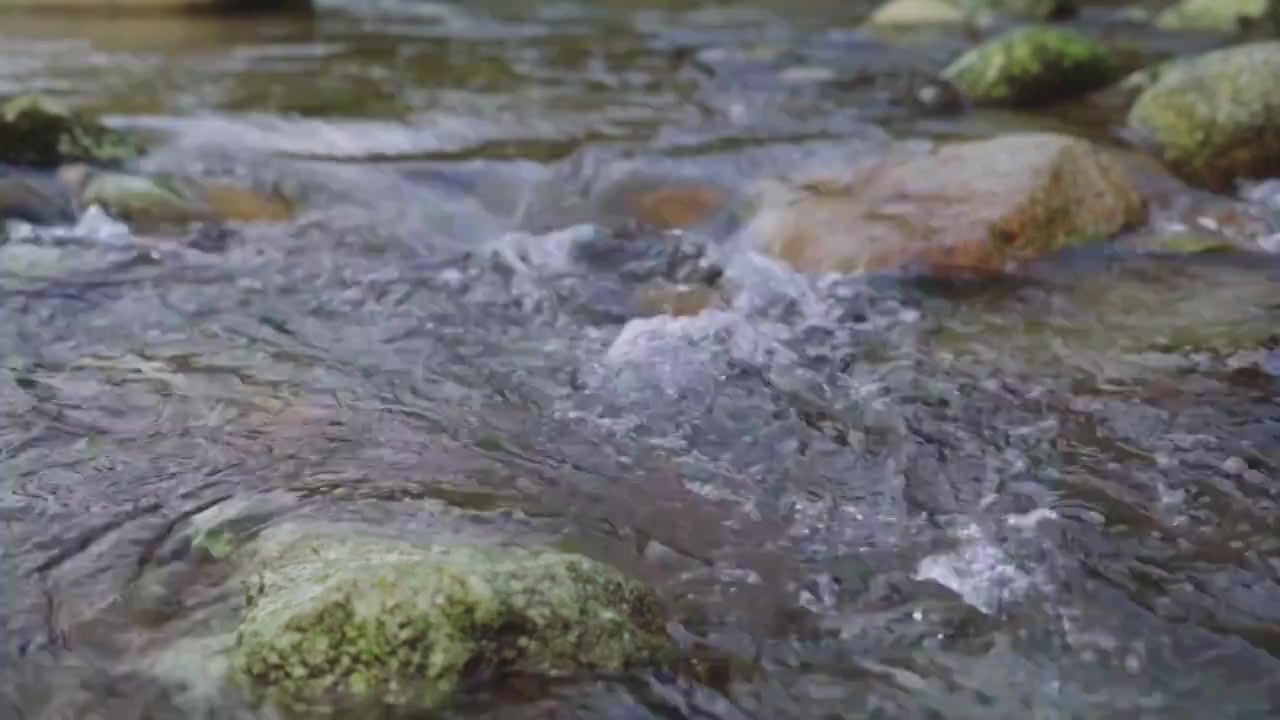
(862, 497)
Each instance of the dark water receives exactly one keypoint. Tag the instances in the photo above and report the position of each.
(1052, 496)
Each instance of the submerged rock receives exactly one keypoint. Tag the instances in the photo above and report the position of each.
(925, 13)
(164, 200)
(34, 199)
(38, 131)
(152, 6)
(1226, 16)
(980, 205)
(385, 620)
(1032, 65)
(1215, 118)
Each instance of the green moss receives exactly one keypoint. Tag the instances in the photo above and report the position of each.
(1215, 118)
(404, 624)
(1226, 16)
(1032, 65)
(38, 131)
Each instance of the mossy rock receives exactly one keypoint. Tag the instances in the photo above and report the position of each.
(37, 131)
(1226, 16)
(1215, 118)
(376, 620)
(1032, 65)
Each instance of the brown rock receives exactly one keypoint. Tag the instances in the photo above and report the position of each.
(229, 202)
(676, 205)
(983, 205)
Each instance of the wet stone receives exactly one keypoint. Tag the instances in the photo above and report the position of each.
(1040, 193)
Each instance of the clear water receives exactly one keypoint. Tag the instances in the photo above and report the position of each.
(1048, 497)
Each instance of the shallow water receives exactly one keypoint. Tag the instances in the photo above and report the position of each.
(1051, 496)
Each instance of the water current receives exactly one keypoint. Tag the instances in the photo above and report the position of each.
(1047, 496)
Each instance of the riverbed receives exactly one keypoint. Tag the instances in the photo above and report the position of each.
(1047, 495)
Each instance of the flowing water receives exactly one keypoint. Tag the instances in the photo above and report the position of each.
(1049, 496)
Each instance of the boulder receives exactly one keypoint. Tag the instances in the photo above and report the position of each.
(974, 206)
(1032, 65)
(367, 618)
(38, 131)
(1226, 16)
(1215, 118)
(926, 13)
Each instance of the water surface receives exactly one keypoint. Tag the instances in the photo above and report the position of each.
(1051, 496)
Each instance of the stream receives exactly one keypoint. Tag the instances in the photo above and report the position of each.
(1050, 496)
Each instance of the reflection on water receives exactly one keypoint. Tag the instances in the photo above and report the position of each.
(1052, 497)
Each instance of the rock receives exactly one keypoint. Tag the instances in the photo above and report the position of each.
(982, 205)
(34, 199)
(38, 131)
(676, 205)
(1227, 16)
(1032, 65)
(1215, 118)
(229, 202)
(167, 200)
(917, 13)
(1121, 322)
(153, 6)
(925, 13)
(393, 622)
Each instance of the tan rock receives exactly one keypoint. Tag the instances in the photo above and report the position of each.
(983, 205)
(676, 205)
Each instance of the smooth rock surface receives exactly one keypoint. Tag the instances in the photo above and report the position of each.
(983, 205)
(926, 13)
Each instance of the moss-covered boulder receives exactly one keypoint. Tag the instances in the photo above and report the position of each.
(971, 206)
(38, 131)
(1215, 118)
(1227, 16)
(927, 13)
(392, 622)
(1032, 65)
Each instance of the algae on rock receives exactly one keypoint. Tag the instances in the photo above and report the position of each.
(1215, 118)
(1032, 65)
(38, 131)
(1227, 16)
(393, 622)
